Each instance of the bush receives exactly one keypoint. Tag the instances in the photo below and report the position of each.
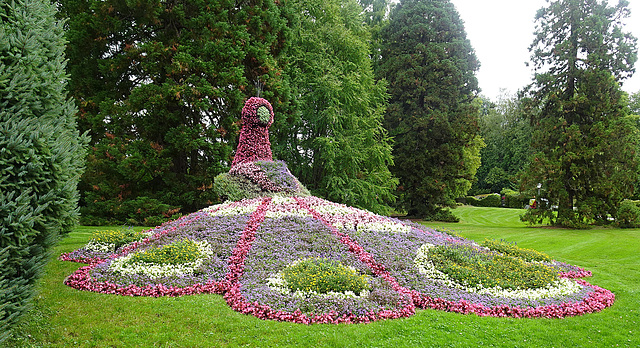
(491, 200)
(514, 199)
(628, 215)
(41, 152)
(141, 211)
(471, 200)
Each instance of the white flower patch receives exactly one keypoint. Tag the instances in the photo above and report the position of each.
(154, 270)
(334, 209)
(561, 287)
(101, 247)
(384, 226)
(228, 209)
(283, 200)
(282, 206)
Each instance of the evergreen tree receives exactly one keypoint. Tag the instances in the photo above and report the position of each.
(41, 152)
(338, 148)
(585, 147)
(160, 86)
(430, 66)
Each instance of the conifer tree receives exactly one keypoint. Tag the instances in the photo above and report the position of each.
(585, 156)
(430, 66)
(160, 86)
(41, 152)
(339, 148)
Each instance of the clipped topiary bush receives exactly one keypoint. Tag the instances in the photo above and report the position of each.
(628, 214)
(514, 199)
(41, 152)
(492, 200)
(471, 200)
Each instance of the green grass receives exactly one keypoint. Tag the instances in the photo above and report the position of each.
(64, 317)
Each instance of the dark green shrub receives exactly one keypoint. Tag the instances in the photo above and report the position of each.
(444, 215)
(628, 215)
(41, 152)
(471, 200)
(492, 200)
(141, 211)
(514, 199)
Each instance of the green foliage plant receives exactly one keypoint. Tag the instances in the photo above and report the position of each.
(514, 199)
(467, 266)
(490, 200)
(511, 249)
(323, 276)
(430, 64)
(507, 134)
(41, 152)
(116, 238)
(138, 211)
(171, 254)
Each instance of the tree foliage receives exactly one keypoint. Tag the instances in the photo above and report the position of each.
(338, 147)
(41, 151)
(634, 103)
(430, 66)
(160, 85)
(506, 132)
(585, 146)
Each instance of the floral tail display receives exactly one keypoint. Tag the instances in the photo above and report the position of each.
(276, 252)
(251, 242)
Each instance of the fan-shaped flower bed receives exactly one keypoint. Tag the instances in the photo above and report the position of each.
(307, 260)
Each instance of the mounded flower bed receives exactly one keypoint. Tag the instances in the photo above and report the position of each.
(360, 267)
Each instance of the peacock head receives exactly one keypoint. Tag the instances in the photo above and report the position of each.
(257, 112)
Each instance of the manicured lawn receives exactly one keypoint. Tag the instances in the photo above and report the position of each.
(65, 317)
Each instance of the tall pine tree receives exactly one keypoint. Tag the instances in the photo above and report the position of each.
(430, 66)
(585, 147)
(160, 86)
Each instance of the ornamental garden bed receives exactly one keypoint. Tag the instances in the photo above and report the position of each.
(367, 267)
